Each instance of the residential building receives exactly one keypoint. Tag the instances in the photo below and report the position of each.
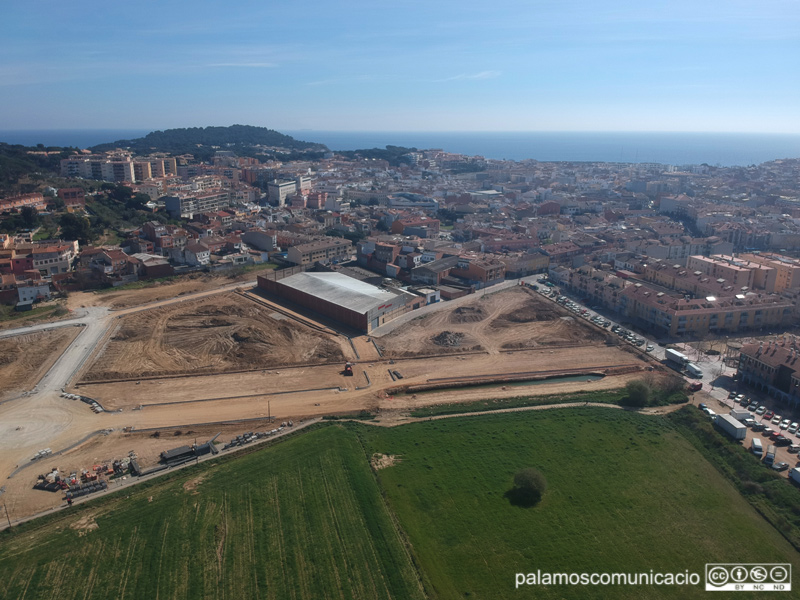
(323, 251)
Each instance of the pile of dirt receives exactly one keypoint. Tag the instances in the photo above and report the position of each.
(448, 339)
(467, 314)
(530, 312)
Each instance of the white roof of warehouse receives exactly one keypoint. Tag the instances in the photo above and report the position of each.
(341, 290)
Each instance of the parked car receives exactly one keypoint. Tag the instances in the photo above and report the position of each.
(793, 428)
(785, 424)
(650, 348)
(767, 431)
(761, 410)
(731, 394)
(752, 407)
(749, 422)
(781, 466)
(776, 420)
(782, 440)
(769, 414)
(759, 427)
(702, 406)
(744, 401)
(775, 435)
(793, 449)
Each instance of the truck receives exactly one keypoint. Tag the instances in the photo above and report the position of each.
(757, 448)
(348, 370)
(770, 457)
(794, 475)
(693, 370)
(675, 359)
(740, 414)
(731, 426)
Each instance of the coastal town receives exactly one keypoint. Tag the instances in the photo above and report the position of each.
(680, 251)
(372, 283)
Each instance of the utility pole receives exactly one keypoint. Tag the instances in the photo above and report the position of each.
(7, 517)
(269, 410)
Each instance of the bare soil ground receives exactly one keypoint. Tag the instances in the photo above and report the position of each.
(515, 318)
(215, 334)
(227, 332)
(24, 359)
(159, 290)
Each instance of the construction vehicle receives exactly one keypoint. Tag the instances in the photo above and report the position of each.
(348, 370)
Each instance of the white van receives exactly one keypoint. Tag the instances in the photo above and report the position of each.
(757, 448)
(693, 370)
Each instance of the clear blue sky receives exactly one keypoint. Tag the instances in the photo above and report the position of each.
(613, 65)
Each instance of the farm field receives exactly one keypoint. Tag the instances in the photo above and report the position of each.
(626, 493)
(214, 334)
(303, 519)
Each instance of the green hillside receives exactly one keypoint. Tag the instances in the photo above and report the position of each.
(194, 140)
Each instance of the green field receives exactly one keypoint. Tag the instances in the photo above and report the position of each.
(626, 493)
(308, 518)
(304, 519)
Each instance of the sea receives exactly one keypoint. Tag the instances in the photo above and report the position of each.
(716, 149)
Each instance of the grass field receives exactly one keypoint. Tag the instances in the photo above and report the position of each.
(605, 397)
(627, 493)
(302, 520)
(307, 518)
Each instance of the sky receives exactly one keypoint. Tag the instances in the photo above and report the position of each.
(437, 65)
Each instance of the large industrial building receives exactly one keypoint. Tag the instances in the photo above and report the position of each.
(344, 299)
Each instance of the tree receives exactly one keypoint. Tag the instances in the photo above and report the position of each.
(74, 227)
(638, 393)
(529, 487)
(29, 216)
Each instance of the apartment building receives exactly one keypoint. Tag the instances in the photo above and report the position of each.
(118, 167)
(18, 202)
(787, 270)
(186, 206)
(73, 197)
(323, 251)
(677, 316)
(279, 190)
(735, 272)
(772, 367)
(479, 270)
(54, 258)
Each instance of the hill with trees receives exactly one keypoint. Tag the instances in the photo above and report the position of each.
(201, 140)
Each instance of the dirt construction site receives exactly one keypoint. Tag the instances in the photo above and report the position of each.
(191, 366)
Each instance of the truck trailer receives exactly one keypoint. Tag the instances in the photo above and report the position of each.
(731, 426)
(794, 474)
(676, 359)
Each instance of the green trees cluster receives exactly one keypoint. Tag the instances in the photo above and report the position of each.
(651, 390)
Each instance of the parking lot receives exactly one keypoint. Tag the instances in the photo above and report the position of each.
(771, 427)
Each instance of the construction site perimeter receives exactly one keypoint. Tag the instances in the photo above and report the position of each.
(232, 356)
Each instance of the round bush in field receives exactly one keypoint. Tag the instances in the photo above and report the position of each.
(529, 486)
